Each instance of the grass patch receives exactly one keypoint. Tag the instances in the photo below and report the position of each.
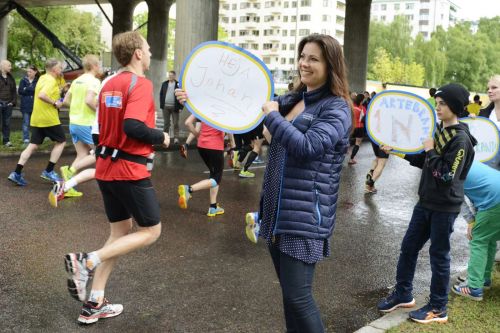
(16, 138)
(465, 315)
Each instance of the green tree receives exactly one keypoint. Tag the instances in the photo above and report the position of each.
(381, 69)
(77, 30)
(432, 58)
(395, 38)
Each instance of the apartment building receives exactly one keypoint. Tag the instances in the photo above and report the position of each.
(424, 15)
(272, 29)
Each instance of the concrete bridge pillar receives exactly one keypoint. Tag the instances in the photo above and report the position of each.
(3, 37)
(196, 22)
(157, 39)
(357, 26)
(123, 19)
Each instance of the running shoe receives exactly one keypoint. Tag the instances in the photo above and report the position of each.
(370, 189)
(183, 149)
(429, 314)
(79, 275)
(57, 193)
(50, 176)
(246, 174)
(66, 173)
(184, 196)
(236, 163)
(252, 226)
(258, 160)
(215, 211)
(463, 289)
(72, 193)
(91, 313)
(393, 301)
(17, 178)
(351, 162)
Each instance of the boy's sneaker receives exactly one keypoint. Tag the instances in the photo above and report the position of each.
(50, 176)
(258, 160)
(253, 226)
(17, 178)
(463, 278)
(79, 275)
(91, 313)
(8, 144)
(246, 174)
(463, 289)
(57, 193)
(184, 196)
(66, 173)
(183, 149)
(215, 211)
(429, 314)
(72, 193)
(393, 301)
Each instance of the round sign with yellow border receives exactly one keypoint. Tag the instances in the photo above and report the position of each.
(401, 120)
(226, 86)
(486, 133)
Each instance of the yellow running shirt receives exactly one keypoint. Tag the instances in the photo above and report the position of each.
(45, 114)
(79, 112)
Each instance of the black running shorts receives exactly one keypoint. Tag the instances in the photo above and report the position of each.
(214, 160)
(379, 152)
(135, 198)
(358, 132)
(54, 133)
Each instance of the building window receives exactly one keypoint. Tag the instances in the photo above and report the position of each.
(234, 6)
(285, 33)
(294, 4)
(305, 17)
(375, 6)
(286, 4)
(233, 19)
(255, 32)
(224, 19)
(293, 18)
(233, 33)
(285, 18)
(382, 18)
(244, 5)
(283, 47)
(326, 18)
(383, 6)
(266, 60)
(283, 61)
(325, 31)
(244, 45)
(409, 17)
(255, 46)
(305, 3)
(326, 3)
(225, 6)
(292, 47)
(409, 6)
(304, 32)
(268, 18)
(267, 46)
(244, 33)
(291, 61)
(293, 33)
(396, 6)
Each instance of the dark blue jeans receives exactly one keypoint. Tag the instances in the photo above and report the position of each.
(6, 115)
(26, 126)
(427, 224)
(296, 277)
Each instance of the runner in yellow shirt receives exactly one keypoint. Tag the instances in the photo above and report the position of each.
(44, 123)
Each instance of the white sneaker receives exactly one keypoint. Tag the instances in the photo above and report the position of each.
(90, 313)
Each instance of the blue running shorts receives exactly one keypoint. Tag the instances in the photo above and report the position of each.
(81, 133)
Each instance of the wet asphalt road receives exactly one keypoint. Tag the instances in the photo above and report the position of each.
(202, 275)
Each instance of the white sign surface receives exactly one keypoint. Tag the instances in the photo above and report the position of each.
(486, 133)
(400, 120)
(226, 86)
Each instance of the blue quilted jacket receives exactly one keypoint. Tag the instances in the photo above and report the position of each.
(315, 142)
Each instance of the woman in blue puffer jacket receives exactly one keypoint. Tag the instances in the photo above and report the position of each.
(27, 91)
(310, 129)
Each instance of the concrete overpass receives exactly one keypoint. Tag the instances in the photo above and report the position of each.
(197, 21)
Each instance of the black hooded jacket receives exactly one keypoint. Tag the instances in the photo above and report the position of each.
(444, 168)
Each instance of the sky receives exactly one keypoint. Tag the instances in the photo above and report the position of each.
(475, 9)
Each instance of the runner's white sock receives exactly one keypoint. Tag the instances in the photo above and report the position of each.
(70, 184)
(96, 296)
(93, 260)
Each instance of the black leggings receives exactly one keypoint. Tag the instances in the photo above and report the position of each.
(214, 160)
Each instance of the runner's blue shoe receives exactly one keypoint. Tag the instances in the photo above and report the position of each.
(215, 211)
(17, 178)
(50, 176)
(393, 301)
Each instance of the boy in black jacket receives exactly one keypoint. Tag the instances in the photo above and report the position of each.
(445, 164)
